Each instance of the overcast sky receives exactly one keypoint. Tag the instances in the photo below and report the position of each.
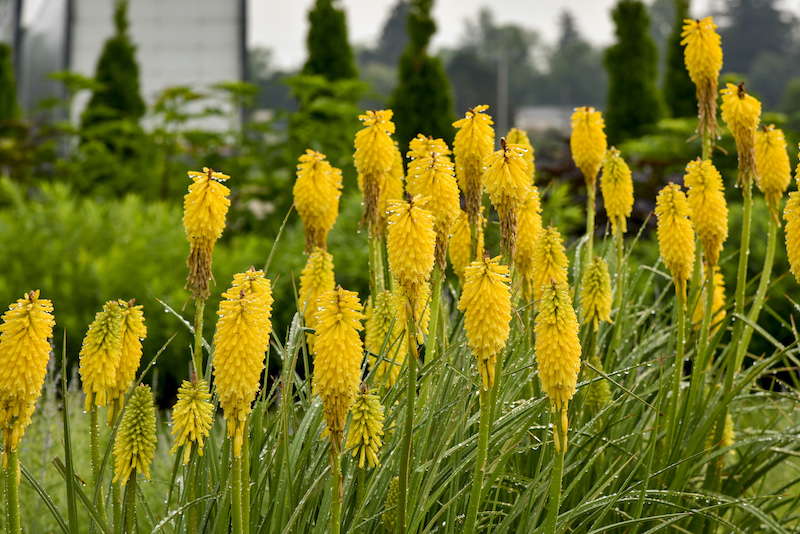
(281, 25)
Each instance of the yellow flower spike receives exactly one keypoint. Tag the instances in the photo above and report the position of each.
(549, 261)
(558, 352)
(240, 344)
(374, 157)
(791, 214)
(316, 197)
(474, 141)
(366, 427)
(675, 235)
(460, 239)
(742, 113)
(135, 443)
(191, 417)
(717, 305)
(317, 278)
(772, 162)
(709, 209)
(519, 137)
(420, 295)
(250, 281)
(507, 184)
(378, 324)
(422, 147)
(411, 241)
(486, 303)
(432, 176)
(616, 184)
(529, 226)
(132, 332)
(703, 59)
(205, 207)
(588, 142)
(338, 354)
(24, 352)
(596, 293)
(100, 354)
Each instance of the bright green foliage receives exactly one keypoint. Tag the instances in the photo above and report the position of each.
(8, 86)
(679, 91)
(422, 102)
(329, 53)
(118, 73)
(634, 103)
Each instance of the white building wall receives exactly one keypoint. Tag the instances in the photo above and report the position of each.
(178, 42)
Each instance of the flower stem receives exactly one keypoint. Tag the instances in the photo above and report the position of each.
(197, 356)
(245, 477)
(236, 494)
(411, 390)
(555, 482)
(361, 486)
(436, 302)
(130, 504)
(677, 370)
(480, 462)
(94, 445)
(12, 493)
(336, 488)
(590, 202)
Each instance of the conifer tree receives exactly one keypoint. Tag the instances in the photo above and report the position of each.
(8, 86)
(679, 91)
(118, 73)
(633, 100)
(422, 102)
(329, 53)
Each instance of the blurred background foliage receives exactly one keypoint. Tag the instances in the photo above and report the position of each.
(91, 210)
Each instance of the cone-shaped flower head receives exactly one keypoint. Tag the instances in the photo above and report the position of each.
(791, 214)
(328, 219)
(588, 142)
(24, 352)
(742, 113)
(316, 191)
(520, 137)
(402, 300)
(529, 226)
(379, 323)
(338, 354)
(549, 261)
(558, 351)
(422, 147)
(474, 141)
(486, 303)
(205, 207)
(366, 427)
(717, 305)
(709, 210)
(191, 417)
(460, 242)
(374, 157)
(316, 279)
(616, 185)
(772, 162)
(136, 440)
(411, 241)
(132, 332)
(703, 58)
(432, 176)
(100, 354)
(507, 184)
(393, 187)
(390, 509)
(240, 344)
(596, 293)
(675, 235)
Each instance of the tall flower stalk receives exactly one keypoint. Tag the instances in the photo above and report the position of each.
(24, 352)
(588, 144)
(337, 372)
(486, 303)
(205, 207)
